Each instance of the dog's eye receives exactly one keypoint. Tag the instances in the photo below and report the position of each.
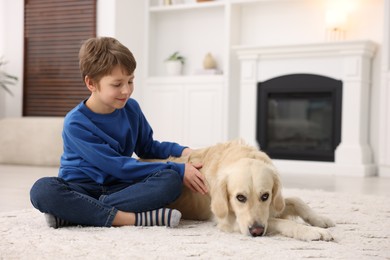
(264, 197)
(241, 198)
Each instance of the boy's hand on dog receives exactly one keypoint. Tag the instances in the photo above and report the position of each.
(194, 179)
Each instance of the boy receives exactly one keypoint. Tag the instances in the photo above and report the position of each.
(99, 183)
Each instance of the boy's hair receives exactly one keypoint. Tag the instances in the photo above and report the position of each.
(98, 57)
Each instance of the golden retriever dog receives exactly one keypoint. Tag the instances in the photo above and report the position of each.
(245, 195)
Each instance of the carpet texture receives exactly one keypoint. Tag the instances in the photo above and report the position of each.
(362, 232)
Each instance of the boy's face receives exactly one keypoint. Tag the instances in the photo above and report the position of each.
(111, 92)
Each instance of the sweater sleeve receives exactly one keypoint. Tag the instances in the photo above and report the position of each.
(99, 154)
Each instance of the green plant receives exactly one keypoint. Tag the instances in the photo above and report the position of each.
(176, 57)
(5, 78)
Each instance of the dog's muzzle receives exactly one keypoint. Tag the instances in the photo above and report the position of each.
(256, 230)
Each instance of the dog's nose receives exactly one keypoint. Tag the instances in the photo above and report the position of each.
(256, 230)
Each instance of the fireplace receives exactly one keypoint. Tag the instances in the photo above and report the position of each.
(299, 117)
(346, 62)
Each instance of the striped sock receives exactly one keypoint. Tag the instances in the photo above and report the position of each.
(158, 217)
(55, 222)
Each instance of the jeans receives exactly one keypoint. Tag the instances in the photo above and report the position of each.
(89, 203)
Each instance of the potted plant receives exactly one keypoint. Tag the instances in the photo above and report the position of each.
(174, 64)
(6, 79)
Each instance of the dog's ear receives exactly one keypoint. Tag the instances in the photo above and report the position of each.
(219, 199)
(277, 197)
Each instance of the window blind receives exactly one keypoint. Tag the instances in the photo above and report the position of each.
(54, 31)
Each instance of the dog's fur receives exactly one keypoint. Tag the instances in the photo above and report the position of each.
(245, 195)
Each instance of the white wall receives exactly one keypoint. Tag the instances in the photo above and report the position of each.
(383, 99)
(2, 33)
(11, 48)
(123, 19)
(2, 25)
(130, 30)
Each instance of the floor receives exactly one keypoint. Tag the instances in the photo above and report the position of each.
(14, 186)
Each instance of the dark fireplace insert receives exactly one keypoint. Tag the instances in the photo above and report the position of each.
(299, 117)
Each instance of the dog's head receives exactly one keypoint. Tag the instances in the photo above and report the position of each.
(247, 193)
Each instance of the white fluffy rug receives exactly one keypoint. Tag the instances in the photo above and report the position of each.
(362, 232)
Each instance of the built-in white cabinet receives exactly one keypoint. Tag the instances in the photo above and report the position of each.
(188, 110)
(192, 108)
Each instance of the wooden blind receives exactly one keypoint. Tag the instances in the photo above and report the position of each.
(54, 30)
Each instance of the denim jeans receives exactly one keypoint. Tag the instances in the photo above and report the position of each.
(89, 203)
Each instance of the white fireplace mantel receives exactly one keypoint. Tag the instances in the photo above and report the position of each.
(349, 62)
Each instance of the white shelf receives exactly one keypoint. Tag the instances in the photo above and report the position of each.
(181, 7)
(186, 29)
(187, 79)
(210, 4)
(244, 2)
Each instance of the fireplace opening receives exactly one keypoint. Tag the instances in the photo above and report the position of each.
(299, 117)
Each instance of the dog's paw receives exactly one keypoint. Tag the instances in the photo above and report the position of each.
(308, 233)
(225, 227)
(321, 221)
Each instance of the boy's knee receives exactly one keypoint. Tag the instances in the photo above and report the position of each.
(42, 191)
(41, 185)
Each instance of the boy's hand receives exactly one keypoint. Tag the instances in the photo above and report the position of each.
(194, 179)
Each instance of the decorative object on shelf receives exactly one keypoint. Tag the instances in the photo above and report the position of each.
(6, 79)
(209, 62)
(174, 64)
(166, 2)
(209, 66)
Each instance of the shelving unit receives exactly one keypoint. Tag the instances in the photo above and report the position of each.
(196, 106)
(195, 29)
(182, 28)
(184, 6)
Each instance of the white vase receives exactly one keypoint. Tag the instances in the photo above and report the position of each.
(173, 67)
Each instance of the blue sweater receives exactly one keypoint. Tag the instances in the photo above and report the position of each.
(99, 147)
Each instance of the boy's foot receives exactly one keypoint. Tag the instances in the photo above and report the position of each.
(159, 217)
(55, 222)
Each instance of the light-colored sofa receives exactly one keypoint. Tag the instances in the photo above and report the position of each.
(32, 141)
(30, 148)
